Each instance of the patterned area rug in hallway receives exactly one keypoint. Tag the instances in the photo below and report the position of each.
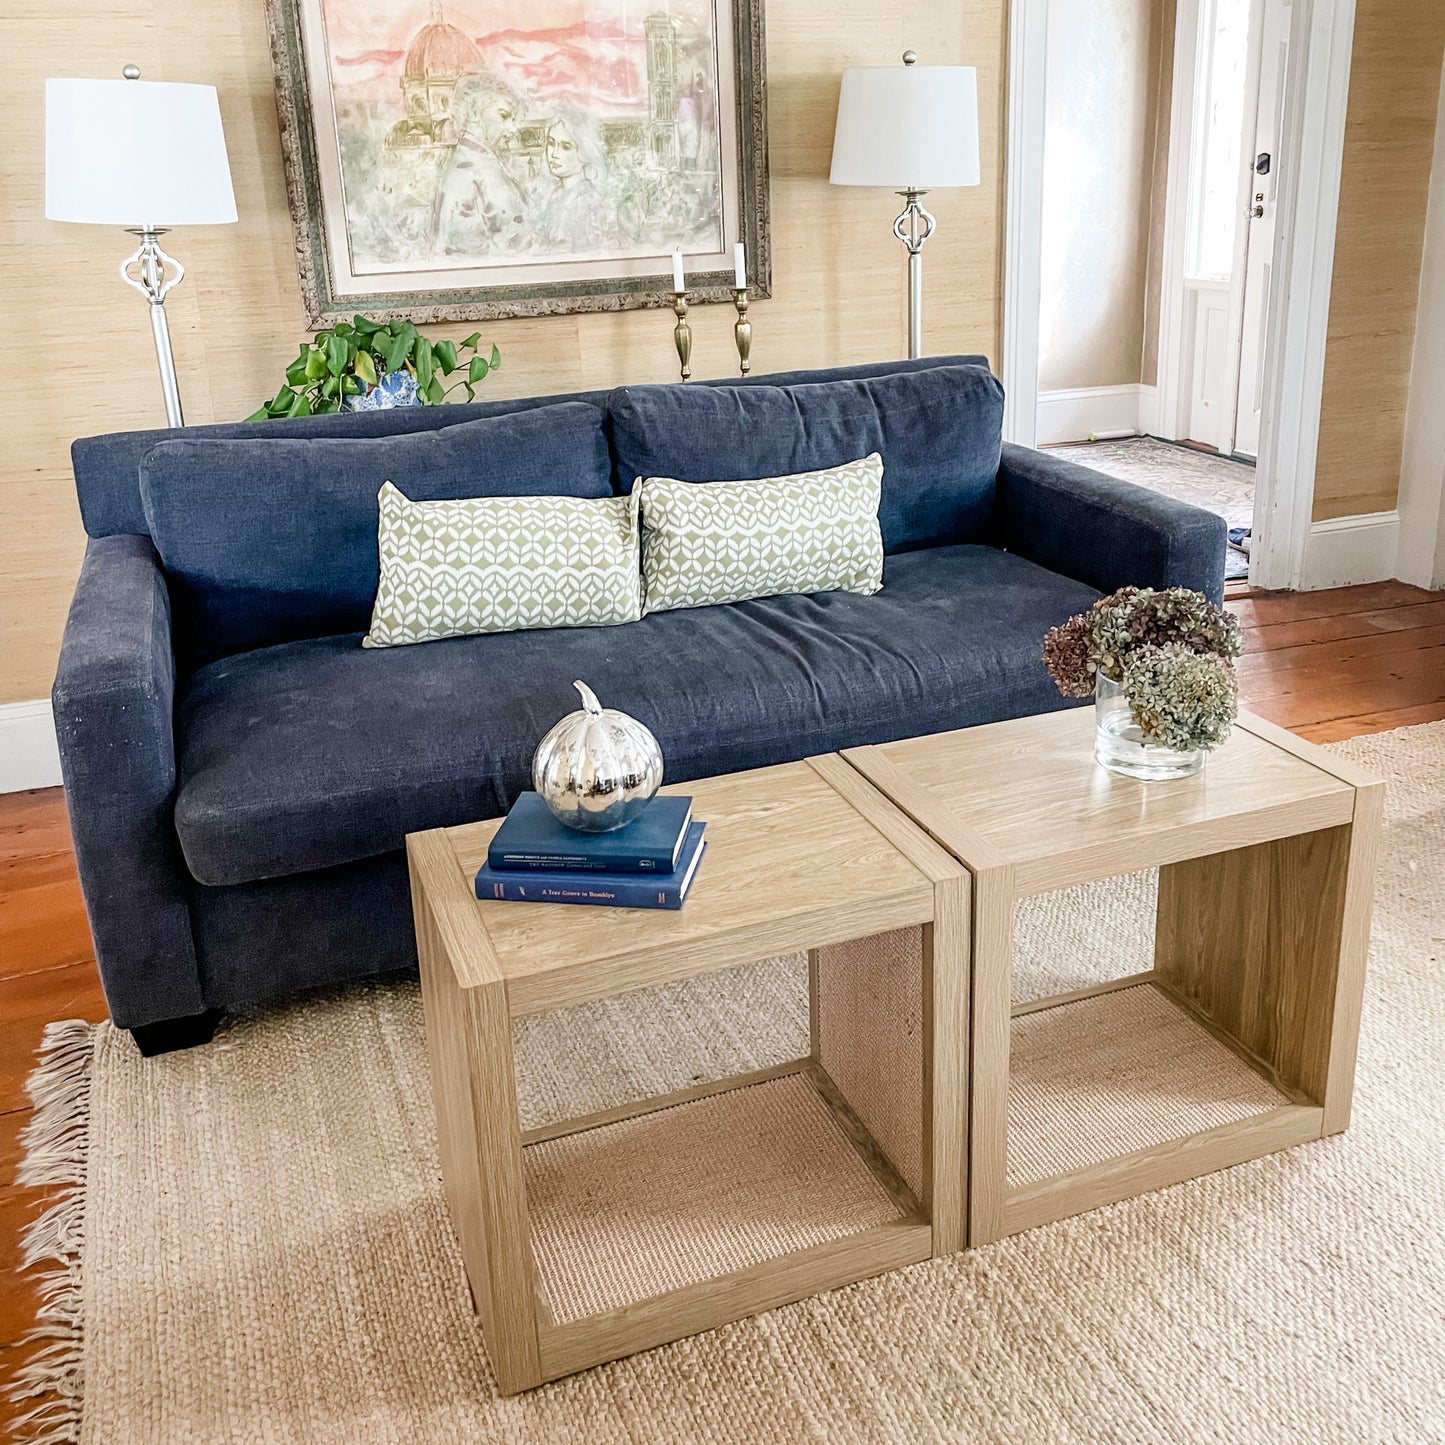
(253, 1244)
(1219, 484)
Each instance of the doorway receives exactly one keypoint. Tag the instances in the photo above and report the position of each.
(1264, 113)
(1233, 354)
(1109, 171)
(1233, 188)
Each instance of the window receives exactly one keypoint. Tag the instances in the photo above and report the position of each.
(1219, 127)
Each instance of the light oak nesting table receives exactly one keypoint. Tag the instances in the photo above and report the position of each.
(620, 1231)
(1241, 1038)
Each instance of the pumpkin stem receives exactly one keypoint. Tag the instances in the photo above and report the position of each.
(589, 698)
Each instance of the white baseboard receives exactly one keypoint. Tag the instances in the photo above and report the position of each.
(1346, 551)
(28, 755)
(1097, 411)
(1149, 410)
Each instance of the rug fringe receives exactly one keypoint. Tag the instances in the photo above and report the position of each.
(55, 1145)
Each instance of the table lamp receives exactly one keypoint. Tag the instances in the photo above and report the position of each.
(912, 128)
(144, 155)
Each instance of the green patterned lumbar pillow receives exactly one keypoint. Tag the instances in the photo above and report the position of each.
(501, 564)
(706, 542)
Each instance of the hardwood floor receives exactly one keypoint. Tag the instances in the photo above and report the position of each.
(1334, 664)
(46, 972)
(1328, 665)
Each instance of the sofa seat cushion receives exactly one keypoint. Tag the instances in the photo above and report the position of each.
(272, 539)
(316, 753)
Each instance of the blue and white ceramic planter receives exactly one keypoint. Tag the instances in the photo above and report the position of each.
(394, 388)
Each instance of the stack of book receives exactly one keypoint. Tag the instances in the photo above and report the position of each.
(649, 863)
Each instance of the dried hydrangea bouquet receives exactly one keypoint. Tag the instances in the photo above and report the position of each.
(1160, 667)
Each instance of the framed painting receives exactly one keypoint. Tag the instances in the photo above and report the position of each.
(453, 160)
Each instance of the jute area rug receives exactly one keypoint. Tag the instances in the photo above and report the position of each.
(254, 1245)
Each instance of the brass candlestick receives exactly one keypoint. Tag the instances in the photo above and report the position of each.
(682, 334)
(743, 330)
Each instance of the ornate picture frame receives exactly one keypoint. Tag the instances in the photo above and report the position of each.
(446, 164)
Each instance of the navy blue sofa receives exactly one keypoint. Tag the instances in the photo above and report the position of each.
(241, 774)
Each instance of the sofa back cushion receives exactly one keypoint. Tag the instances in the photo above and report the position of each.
(107, 468)
(271, 539)
(938, 431)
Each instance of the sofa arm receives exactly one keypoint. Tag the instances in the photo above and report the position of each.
(1104, 532)
(113, 698)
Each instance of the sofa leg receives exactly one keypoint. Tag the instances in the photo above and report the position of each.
(172, 1034)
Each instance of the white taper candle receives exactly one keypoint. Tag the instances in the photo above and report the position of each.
(677, 282)
(740, 267)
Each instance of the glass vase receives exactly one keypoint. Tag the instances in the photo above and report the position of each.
(1119, 745)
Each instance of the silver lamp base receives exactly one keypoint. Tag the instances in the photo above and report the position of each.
(154, 274)
(913, 227)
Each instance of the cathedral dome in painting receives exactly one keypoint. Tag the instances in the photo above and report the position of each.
(437, 58)
(439, 49)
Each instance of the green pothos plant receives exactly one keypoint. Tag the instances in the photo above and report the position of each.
(361, 358)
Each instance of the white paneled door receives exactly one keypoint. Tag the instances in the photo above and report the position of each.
(1263, 132)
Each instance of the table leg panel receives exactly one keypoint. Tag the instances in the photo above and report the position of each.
(1256, 941)
(990, 1019)
(868, 1031)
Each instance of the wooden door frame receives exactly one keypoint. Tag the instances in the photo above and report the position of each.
(1312, 149)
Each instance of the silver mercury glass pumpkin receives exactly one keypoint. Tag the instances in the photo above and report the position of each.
(597, 768)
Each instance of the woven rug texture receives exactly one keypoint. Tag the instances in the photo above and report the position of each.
(1203, 479)
(252, 1245)
(1218, 484)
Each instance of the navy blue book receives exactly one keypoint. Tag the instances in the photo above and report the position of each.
(604, 890)
(531, 838)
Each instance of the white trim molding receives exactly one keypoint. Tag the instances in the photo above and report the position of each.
(1023, 217)
(1346, 551)
(29, 757)
(1321, 43)
(1088, 411)
(1422, 468)
(1149, 410)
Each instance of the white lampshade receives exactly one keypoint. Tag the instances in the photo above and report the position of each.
(907, 127)
(135, 153)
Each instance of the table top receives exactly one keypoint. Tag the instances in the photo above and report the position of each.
(1028, 795)
(791, 863)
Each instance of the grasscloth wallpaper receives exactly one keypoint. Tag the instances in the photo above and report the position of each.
(80, 343)
(1384, 188)
(78, 358)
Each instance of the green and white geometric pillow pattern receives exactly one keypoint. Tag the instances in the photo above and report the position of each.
(501, 564)
(711, 542)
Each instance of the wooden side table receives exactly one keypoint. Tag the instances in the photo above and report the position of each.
(1241, 1038)
(617, 1232)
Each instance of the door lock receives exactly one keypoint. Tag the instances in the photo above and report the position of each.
(1261, 164)
(1257, 209)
